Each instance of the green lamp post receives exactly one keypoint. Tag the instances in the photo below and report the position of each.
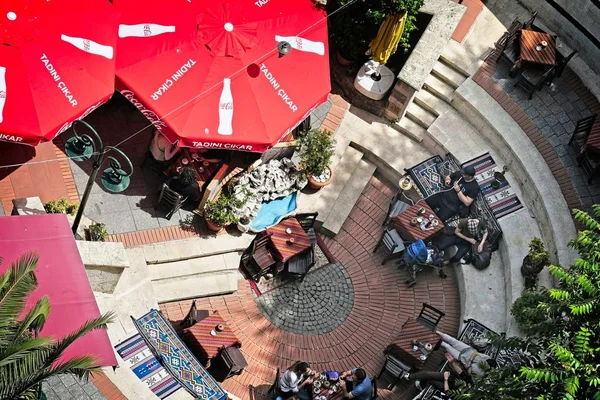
(83, 147)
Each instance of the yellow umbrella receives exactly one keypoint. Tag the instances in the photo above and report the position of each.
(386, 42)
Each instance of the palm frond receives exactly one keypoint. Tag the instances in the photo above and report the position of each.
(34, 320)
(18, 282)
(23, 349)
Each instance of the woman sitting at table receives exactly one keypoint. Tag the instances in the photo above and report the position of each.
(186, 184)
(161, 149)
(295, 381)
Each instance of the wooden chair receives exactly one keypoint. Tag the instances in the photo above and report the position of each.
(532, 79)
(590, 163)
(561, 62)
(300, 264)
(227, 363)
(393, 368)
(501, 44)
(512, 49)
(581, 132)
(529, 23)
(194, 315)
(257, 259)
(307, 222)
(273, 391)
(430, 317)
(170, 200)
(396, 207)
(392, 242)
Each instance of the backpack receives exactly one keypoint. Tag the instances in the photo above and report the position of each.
(481, 260)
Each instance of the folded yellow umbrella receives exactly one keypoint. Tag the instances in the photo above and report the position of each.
(386, 42)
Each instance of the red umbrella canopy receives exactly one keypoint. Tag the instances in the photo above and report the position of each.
(57, 64)
(208, 73)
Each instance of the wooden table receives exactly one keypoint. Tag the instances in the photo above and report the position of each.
(593, 140)
(279, 238)
(338, 395)
(204, 345)
(410, 233)
(205, 167)
(402, 347)
(529, 41)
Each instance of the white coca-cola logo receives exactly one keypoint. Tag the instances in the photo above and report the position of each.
(10, 138)
(149, 114)
(226, 106)
(299, 43)
(86, 45)
(147, 30)
(82, 116)
(2, 94)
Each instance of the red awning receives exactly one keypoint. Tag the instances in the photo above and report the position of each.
(61, 276)
(208, 73)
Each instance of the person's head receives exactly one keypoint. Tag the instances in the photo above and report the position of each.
(359, 375)
(188, 176)
(468, 173)
(301, 368)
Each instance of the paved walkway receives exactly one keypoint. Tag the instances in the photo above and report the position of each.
(382, 305)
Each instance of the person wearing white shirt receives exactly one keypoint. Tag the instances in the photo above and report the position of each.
(294, 381)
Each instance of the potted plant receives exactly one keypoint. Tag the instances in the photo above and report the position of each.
(244, 224)
(529, 316)
(536, 259)
(61, 206)
(219, 213)
(316, 149)
(98, 232)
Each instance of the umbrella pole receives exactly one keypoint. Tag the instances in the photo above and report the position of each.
(374, 70)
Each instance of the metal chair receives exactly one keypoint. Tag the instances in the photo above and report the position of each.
(392, 242)
(257, 259)
(300, 264)
(394, 368)
(581, 132)
(532, 79)
(430, 317)
(273, 391)
(307, 222)
(396, 207)
(194, 315)
(170, 200)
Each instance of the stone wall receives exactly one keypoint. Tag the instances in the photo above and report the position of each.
(104, 263)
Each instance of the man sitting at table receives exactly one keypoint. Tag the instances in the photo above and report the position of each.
(360, 387)
(468, 233)
(186, 184)
(457, 199)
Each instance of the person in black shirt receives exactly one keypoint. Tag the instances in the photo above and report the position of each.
(457, 200)
(186, 184)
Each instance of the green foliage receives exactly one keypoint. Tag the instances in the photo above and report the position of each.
(61, 206)
(26, 359)
(316, 149)
(98, 232)
(537, 257)
(356, 25)
(532, 318)
(220, 212)
(562, 357)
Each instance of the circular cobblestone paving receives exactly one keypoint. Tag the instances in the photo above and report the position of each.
(316, 306)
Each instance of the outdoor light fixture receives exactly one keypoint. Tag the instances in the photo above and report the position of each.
(83, 147)
(284, 48)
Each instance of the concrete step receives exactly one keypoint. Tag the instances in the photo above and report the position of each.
(439, 88)
(196, 277)
(431, 103)
(411, 129)
(348, 197)
(185, 249)
(458, 57)
(420, 115)
(448, 74)
(342, 173)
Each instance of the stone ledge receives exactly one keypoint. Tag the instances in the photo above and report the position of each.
(186, 249)
(526, 164)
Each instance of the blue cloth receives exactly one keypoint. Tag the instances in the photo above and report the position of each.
(364, 390)
(271, 212)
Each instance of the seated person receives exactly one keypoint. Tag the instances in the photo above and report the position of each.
(467, 233)
(161, 149)
(476, 363)
(186, 184)
(360, 387)
(295, 381)
(442, 381)
(459, 198)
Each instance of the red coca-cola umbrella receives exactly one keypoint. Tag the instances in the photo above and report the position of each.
(208, 72)
(57, 64)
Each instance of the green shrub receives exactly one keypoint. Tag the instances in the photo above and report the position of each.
(537, 257)
(316, 149)
(98, 232)
(61, 206)
(220, 212)
(529, 316)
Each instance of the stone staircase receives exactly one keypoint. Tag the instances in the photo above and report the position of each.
(449, 72)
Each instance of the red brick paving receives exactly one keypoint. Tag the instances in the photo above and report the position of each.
(474, 7)
(382, 305)
(45, 173)
(483, 77)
